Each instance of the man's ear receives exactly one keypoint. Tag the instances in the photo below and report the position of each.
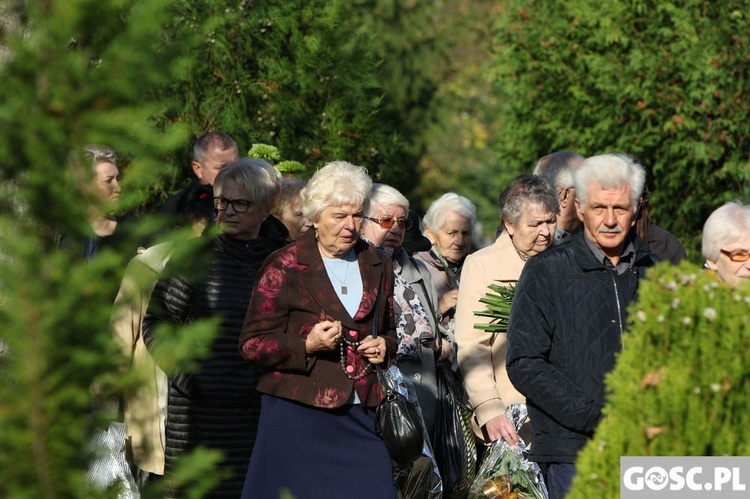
(710, 264)
(198, 170)
(565, 197)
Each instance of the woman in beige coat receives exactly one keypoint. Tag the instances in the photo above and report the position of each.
(529, 207)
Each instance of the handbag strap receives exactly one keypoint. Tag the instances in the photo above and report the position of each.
(376, 318)
(376, 307)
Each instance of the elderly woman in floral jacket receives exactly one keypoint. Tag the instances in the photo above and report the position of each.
(310, 325)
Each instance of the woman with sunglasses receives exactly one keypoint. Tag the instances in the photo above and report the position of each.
(726, 242)
(216, 404)
(414, 297)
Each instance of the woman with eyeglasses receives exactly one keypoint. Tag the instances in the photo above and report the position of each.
(726, 242)
(310, 325)
(215, 404)
(420, 343)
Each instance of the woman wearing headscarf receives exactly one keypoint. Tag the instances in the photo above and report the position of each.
(216, 405)
(311, 324)
(528, 207)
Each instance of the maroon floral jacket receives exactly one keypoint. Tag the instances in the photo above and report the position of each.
(292, 294)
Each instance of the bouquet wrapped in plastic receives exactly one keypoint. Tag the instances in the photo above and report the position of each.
(505, 473)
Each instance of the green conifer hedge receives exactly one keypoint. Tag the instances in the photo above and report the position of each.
(681, 386)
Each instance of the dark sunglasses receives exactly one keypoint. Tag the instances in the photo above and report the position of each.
(738, 255)
(387, 223)
(239, 205)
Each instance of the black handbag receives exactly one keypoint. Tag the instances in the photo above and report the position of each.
(398, 422)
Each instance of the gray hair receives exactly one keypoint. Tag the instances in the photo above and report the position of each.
(385, 195)
(336, 184)
(255, 177)
(727, 224)
(609, 171)
(449, 201)
(557, 168)
(210, 140)
(523, 191)
(100, 154)
(291, 190)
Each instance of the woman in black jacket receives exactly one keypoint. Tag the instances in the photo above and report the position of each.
(215, 404)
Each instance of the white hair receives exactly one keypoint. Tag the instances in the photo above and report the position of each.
(434, 219)
(558, 167)
(385, 195)
(727, 224)
(336, 184)
(609, 171)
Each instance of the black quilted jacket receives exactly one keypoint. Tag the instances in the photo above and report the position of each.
(217, 406)
(565, 329)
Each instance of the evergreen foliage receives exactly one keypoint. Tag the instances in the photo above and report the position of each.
(681, 386)
(75, 72)
(666, 81)
(414, 42)
(292, 74)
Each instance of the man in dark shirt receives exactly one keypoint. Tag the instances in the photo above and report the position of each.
(569, 314)
(212, 152)
(557, 169)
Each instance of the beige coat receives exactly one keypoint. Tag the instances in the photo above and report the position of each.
(481, 355)
(146, 403)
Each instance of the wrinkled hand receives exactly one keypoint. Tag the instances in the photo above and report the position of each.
(500, 428)
(372, 349)
(448, 301)
(324, 336)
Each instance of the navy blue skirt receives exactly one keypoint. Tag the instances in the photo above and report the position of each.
(317, 453)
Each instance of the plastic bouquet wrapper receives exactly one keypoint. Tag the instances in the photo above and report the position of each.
(455, 446)
(505, 473)
(420, 480)
(109, 469)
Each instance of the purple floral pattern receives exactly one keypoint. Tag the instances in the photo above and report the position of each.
(293, 294)
(270, 282)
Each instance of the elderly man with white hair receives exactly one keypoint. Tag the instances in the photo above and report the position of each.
(726, 242)
(569, 315)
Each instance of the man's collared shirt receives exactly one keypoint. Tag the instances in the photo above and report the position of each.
(560, 236)
(626, 258)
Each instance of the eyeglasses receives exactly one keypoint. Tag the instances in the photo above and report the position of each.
(387, 223)
(239, 205)
(738, 255)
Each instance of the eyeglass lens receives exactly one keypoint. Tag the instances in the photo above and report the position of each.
(239, 205)
(387, 223)
(737, 255)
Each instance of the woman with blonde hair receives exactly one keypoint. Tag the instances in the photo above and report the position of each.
(320, 319)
